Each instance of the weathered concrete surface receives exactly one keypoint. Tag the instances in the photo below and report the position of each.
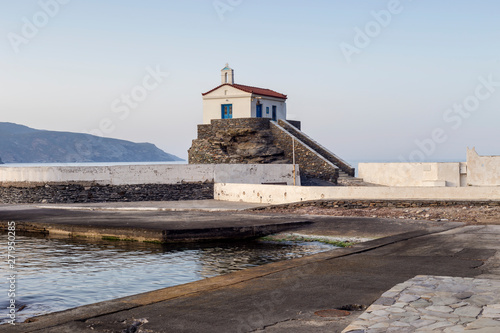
(363, 227)
(187, 221)
(282, 297)
(182, 205)
(482, 170)
(477, 171)
(414, 174)
(157, 226)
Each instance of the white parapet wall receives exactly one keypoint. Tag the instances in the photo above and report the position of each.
(414, 174)
(477, 171)
(150, 174)
(275, 194)
(482, 170)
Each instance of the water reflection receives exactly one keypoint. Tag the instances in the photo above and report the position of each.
(57, 274)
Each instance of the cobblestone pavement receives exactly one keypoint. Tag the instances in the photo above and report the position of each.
(434, 304)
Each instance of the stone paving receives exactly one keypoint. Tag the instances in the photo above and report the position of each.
(434, 304)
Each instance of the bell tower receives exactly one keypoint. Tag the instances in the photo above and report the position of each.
(227, 75)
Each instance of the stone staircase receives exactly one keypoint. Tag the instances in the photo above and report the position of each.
(260, 140)
(346, 172)
(347, 180)
(318, 148)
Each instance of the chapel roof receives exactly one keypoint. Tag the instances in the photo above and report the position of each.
(252, 90)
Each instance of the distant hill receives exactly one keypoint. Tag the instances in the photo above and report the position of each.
(21, 144)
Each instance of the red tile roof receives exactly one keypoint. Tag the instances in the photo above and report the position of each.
(252, 90)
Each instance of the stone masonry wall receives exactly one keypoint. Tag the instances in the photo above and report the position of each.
(75, 193)
(236, 141)
(317, 147)
(256, 140)
(357, 204)
(207, 131)
(311, 165)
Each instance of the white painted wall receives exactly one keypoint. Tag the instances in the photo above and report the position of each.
(268, 102)
(241, 101)
(477, 171)
(274, 194)
(244, 104)
(482, 170)
(256, 173)
(411, 174)
(151, 174)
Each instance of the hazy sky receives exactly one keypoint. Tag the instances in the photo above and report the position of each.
(370, 80)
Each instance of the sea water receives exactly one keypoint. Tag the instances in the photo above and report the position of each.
(55, 274)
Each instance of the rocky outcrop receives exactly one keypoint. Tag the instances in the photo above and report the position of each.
(1, 161)
(239, 144)
(258, 140)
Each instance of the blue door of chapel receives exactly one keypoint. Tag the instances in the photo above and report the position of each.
(226, 111)
(259, 111)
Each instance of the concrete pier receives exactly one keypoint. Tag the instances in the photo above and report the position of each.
(151, 222)
(299, 295)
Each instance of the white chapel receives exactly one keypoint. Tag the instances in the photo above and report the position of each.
(232, 100)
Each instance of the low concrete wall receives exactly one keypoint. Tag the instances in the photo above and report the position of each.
(256, 173)
(482, 170)
(288, 194)
(477, 171)
(413, 174)
(148, 174)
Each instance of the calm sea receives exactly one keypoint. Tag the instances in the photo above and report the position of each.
(57, 274)
(87, 164)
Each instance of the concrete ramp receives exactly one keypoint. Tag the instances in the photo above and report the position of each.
(148, 226)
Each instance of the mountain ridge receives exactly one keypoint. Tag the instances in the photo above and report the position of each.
(23, 144)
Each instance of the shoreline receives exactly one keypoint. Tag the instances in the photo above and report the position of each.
(292, 291)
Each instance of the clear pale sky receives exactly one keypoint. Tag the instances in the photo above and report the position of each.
(368, 79)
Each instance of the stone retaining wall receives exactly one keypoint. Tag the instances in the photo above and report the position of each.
(260, 141)
(207, 131)
(356, 204)
(338, 162)
(236, 141)
(75, 193)
(311, 164)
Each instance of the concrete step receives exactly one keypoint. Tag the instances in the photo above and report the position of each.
(343, 175)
